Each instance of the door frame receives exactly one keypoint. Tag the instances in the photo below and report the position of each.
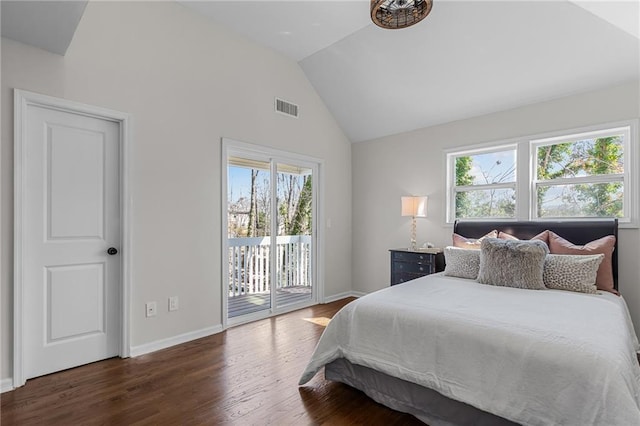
(22, 100)
(231, 146)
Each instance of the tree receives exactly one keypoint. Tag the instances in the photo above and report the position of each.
(295, 194)
(604, 158)
(588, 157)
(486, 202)
(496, 207)
(258, 223)
(463, 178)
(288, 192)
(294, 205)
(302, 218)
(551, 165)
(253, 206)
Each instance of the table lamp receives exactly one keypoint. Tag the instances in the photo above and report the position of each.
(414, 207)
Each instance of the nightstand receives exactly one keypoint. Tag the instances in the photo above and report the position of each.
(407, 265)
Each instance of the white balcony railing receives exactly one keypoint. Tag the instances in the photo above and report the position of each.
(249, 266)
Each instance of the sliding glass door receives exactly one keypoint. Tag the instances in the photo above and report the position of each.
(271, 245)
(249, 236)
(294, 241)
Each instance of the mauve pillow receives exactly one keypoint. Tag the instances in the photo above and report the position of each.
(505, 236)
(604, 245)
(543, 236)
(471, 243)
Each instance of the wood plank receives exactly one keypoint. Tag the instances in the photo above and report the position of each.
(245, 375)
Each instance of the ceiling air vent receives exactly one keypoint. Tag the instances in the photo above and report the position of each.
(286, 108)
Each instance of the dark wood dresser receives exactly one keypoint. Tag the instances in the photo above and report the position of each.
(407, 265)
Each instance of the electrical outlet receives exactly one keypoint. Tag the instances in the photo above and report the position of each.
(173, 303)
(151, 309)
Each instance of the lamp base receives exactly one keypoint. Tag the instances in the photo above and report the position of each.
(413, 245)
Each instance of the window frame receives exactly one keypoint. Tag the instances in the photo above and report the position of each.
(591, 179)
(452, 188)
(526, 181)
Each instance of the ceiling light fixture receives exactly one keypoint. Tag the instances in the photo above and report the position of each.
(394, 14)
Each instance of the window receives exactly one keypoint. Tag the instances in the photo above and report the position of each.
(485, 183)
(580, 174)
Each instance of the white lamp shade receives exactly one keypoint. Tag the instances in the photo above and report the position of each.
(414, 206)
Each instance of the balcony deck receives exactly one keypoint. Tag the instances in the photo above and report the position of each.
(250, 303)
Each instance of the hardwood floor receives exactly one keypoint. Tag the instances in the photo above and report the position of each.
(246, 375)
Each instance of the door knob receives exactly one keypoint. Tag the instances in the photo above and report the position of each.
(112, 250)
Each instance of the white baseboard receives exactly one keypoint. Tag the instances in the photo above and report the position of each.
(6, 385)
(343, 295)
(175, 340)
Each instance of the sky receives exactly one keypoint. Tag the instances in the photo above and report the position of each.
(239, 180)
(503, 172)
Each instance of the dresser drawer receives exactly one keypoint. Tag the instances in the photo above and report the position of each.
(422, 258)
(418, 268)
(408, 265)
(403, 277)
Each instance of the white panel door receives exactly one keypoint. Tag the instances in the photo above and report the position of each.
(71, 285)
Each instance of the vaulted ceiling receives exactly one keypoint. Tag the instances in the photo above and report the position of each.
(467, 58)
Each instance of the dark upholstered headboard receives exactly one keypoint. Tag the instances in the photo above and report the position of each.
(578, 232)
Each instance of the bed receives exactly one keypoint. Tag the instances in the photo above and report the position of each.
(451, 351)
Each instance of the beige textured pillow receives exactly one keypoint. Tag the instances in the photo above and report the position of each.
(512, 263)
(461, 263)
(572, 272)
(471, 243)
(604, 245)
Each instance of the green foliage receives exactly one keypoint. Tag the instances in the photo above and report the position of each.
(601, 156)
(486, 202)
(294, 205)
(463, 177)
(302, 219)
(262, 224)
(295, 194)
(463, 169)
(604, 158)
(600, 200)
(574, 159)
(548, 156)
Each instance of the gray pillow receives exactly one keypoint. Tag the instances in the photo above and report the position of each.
(461, 263)
(572, 272)
(510, 263)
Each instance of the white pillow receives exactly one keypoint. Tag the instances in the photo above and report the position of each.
(461, 263)
(572, 272)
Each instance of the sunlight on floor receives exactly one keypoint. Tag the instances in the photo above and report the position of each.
(323, 321)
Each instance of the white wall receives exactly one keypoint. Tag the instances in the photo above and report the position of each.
(413, 164)
(187, 83)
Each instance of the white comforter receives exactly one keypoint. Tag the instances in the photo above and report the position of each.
(536, 357)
